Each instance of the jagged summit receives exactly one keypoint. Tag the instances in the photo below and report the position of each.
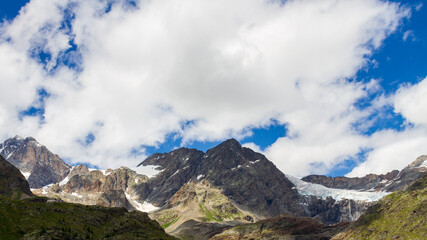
(230, 143)
(246, 177)
(39, 166)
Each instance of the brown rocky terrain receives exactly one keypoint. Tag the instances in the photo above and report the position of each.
(199, 209)
(110, 188)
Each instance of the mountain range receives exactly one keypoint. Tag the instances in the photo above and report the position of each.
(193, 194)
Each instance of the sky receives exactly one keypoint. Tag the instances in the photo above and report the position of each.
(335, 87)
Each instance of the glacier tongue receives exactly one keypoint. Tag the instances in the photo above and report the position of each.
(318, 190)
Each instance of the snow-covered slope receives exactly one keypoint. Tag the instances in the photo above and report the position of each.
(312, 189)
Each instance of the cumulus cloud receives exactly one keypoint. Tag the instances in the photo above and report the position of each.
(393, 149)
(204, 70)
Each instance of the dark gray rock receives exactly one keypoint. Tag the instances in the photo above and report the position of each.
(12, 182)
(389, 182)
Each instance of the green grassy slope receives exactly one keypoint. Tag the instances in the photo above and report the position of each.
(400, 215)
(35, 219)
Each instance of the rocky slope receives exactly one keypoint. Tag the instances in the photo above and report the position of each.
(12, 182)
(392, 181)
(244, 176)
(39, 166)
(196, 203)
(110, 188)
(401, 215)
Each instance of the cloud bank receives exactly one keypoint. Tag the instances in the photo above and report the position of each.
(121, 75)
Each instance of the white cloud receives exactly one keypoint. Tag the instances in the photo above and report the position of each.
(252, 146)
(411, 102)
(225, 66)
(409, 35)
(395, 150)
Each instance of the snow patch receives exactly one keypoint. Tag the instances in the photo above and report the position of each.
(143, 207)
(318, 190)
(76, 195)
(45, 188)
(200, 176)
(423, 165)
(26, 174)
(104, 172)
(256, 161)
(66, 179)
(177, 171)
(186, 159)
(149, 170)
(9, 155)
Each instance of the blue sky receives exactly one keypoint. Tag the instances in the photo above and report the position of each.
(337, 108)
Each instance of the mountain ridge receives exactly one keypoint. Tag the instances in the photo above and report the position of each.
(247, 179)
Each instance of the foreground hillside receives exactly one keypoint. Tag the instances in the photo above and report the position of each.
(43, 220)
(401, 215)
(12, 182)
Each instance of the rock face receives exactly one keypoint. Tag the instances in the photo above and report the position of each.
(390, 182)
(12, 182)
(331, 211)
(244, 176)
(401, 215)
(110, 188)
(40, 166)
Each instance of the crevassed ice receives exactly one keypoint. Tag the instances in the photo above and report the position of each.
(312, 189)
(150, 170)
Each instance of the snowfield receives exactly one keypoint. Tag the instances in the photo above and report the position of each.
(318, 190)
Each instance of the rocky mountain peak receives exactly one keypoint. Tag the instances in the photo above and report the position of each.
(178, 157)
(40, 166)
(230, 143)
